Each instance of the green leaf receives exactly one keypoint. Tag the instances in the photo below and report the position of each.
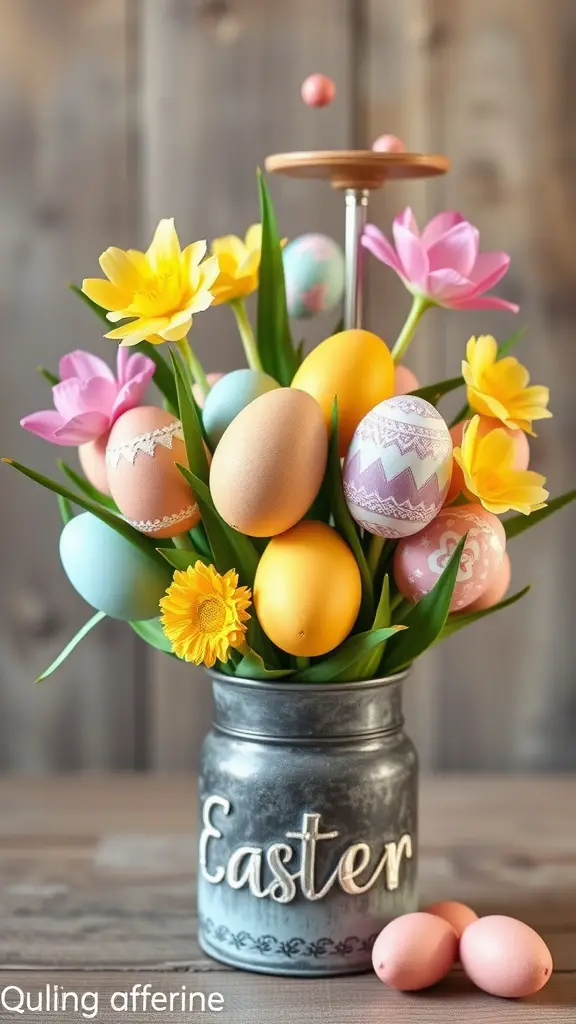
(252, 667)
(519, 523)
(145, 544)
(162, 376)
(200, 540)
(426, 619)
(72, 644)
(182, 558)
(66, 513)
(191, 428)
(433, 392)
(457, 622)
(83, 485)
(50, 377)
(273, 327)
(337, 665)
(343, 520)
(300, 353)
(462, 414)
(150, 630)
(505, 346)
(367, 667)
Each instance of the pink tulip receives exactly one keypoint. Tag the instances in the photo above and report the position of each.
(89, 398)
(442, 263)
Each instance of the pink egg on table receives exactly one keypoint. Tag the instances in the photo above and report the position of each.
(496, 590)
(420, 560)
(388, 144)
(405, 381)
(197, 391)
(457, 914)
(505, 957)
(415, 951)
(92, 456)
(143, 448)
(318, 90)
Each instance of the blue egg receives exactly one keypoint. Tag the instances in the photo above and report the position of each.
(229, 396)
(314, 273)
(109, 572)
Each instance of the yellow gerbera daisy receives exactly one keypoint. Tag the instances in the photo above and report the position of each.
(488, 467)
(159, 290)
(204, 614)
(239, 263)
(499, 387)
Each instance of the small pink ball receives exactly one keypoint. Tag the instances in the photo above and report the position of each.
(318, 90)
(388, 144)
(405, 381)
(197, 391)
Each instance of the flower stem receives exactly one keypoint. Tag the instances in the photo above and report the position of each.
(420, 304)
(183, 541)
(194, 365)
(246, 333)
(374, 552)
(301, 662)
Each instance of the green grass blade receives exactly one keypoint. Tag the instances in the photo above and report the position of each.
(519, 523)
(50, 377)
(433, 392)
(274, 339)
(86, 488)
(505, 346)
(425, 620)
(456, 622)
(66, 513)
(336, 666)
(252, 667)
(72, 644)
(152, 633)
(191, 428)
(182, 558)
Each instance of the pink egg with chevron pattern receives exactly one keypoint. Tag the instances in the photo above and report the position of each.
(398, 467)
(420, 561)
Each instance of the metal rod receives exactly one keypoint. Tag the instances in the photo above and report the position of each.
(356, 214)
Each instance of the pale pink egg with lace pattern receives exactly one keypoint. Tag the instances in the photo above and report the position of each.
(420, 560)
(144, 447)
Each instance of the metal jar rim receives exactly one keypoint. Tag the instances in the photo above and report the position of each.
(288, 687)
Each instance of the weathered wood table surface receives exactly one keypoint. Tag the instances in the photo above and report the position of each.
(97, 895)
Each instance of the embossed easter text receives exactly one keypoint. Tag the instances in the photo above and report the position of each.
(246, 864)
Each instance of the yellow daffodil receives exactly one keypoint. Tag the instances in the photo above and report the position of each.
(239, 265)
(487, 464)
(158, 290)
(500, 387)
(204, 614)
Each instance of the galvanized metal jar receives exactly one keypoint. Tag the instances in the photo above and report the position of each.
(308, 804)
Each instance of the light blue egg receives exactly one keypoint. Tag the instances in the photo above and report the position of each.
(229, 396)
(109, 572)
(314, 274)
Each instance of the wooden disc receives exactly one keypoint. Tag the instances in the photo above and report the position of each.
(359, 169)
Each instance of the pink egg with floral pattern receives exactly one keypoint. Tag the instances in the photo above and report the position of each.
(398, 467)
(419, 561)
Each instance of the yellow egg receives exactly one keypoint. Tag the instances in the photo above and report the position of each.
(307, 590)
(354, 365)
(270, 463)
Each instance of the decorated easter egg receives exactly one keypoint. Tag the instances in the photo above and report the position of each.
(388, 144)
(318, 90)
(486, 424)
(398, 467)
(420, 560)
(353, 366)
(143, 448)
(92, 456)
(270, 463)
(314, 275)
(229, 396)
(415, 951)
(109, 572)
(496, 590)
(405, 381)
(505, 957)
(307, 589)
(197, 390)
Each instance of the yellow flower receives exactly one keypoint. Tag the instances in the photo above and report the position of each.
(204, 614)
(488, 467)
(499, 387)
(239, 265)
(158, 290)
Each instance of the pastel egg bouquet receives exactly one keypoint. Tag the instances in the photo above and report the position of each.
(308, 518)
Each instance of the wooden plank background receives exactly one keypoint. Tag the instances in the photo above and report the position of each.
(116, 112)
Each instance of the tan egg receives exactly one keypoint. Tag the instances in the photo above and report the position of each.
(415, 951)
(405, 381)
(505, 957)
(457, 914)
(92, 456)
(270, 463)
(143, 448)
